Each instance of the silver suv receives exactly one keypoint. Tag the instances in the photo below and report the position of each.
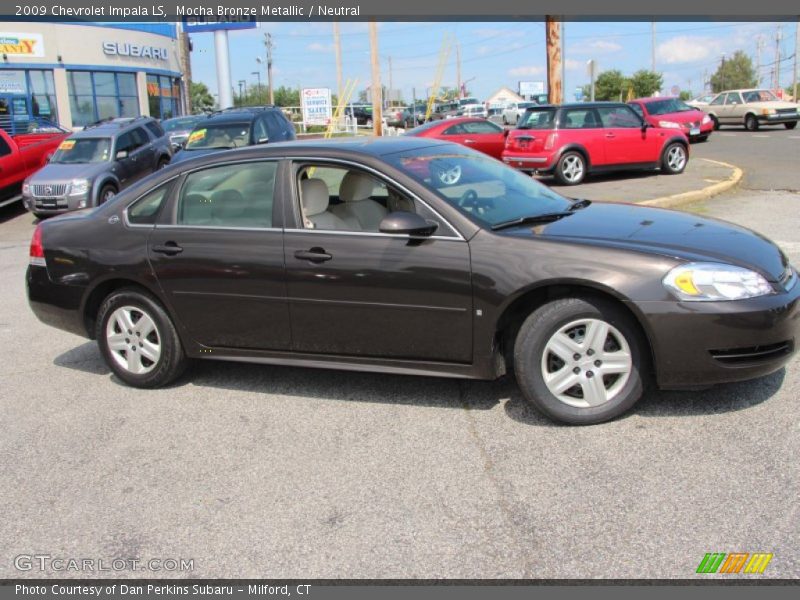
(92, 165)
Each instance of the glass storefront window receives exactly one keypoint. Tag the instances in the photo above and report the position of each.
(102, 95)
(29, 100)
(163, 96)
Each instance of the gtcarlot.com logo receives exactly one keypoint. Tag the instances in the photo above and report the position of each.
(734, 563)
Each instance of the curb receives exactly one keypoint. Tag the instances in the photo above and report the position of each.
(701, 194)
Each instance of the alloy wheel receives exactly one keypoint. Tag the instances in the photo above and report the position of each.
(586, 363)
(450, 176)
(133, 340)
(572, 168)
(676, 158)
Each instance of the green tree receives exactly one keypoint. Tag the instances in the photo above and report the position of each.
(645, 83)
(685, 95)
(734, 73)
(286, 96)
(202, 100)
(610, 85)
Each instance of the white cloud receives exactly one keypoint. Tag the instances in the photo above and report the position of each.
(595, 47)
(686, 49)
(573, 65)
(317, 47)
(525, 71)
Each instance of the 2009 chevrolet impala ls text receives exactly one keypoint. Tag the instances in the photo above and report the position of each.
(413, 256)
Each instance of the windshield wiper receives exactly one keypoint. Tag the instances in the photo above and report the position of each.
(543, 218)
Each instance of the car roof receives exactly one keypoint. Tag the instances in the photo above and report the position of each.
(654, 99)
(233, 116)
(111, 127)
(595, 104)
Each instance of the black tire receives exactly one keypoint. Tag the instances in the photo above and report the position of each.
(702, 138)
(716, 122)
(107, 192)
(162, 162)
(563, 173)
(529, 352)
(791, 125)
(40, 216)
(669, 162)
(171, 361)
(751, 123)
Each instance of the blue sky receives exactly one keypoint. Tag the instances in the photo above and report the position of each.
(494, 54)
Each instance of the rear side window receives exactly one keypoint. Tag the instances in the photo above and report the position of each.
(238, 195)
(537, 119)
(481, 127)
(145, 210)
(579, 118)
(155, 129)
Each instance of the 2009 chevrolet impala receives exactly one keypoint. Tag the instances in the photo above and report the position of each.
(413, 256)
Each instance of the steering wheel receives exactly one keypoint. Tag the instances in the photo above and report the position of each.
(469, 201)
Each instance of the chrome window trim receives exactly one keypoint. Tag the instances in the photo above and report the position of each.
(382, 177)
(402, 236)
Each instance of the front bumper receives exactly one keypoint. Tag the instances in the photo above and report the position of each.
(704, 343)
(54, 205)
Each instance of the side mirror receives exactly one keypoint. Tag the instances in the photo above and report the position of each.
(506, 132)
(645, 125)
(407, 223)
(121, 154)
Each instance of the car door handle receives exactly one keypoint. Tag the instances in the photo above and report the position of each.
(469, 141)
(170, 249)
(315, 255)
(610, 135)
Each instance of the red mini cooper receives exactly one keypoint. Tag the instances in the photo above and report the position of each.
(570, 141)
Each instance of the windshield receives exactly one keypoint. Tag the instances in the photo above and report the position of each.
(667, 106)
(482, 188)
(222, 135)
(759, 96)
(182, 124)
(465, 101)
(83, 150)
(541, 118)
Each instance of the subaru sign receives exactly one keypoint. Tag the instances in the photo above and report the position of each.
(200, 24)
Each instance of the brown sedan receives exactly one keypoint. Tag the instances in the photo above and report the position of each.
(361, 255)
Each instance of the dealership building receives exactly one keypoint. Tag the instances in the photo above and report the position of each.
(76, 74)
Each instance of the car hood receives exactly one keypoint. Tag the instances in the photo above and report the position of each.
(185, 155)
(64, 173)
(665, 232)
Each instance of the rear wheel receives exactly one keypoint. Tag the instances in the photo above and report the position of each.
(674, 160)
(579, 361)
(571, 168)
(791, 125)
(751, 123)
(138, 340)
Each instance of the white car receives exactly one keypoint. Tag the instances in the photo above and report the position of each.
(513, 111)
(701, 101)
(475, 110)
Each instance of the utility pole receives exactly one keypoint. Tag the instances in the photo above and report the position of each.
(778, 36)
(268, 44)
(389, 93)
(759, 46)
(591, 67)
(722, 74)
(337, 49)
(458, 70)
(260, 93)
(377, 100)
(794, 68)
(563, 60)
(241, 94)
(653, 45)
(555, 90)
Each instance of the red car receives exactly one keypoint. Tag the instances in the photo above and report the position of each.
(22, 155)
(675, 114)
(472, 132)
(570, 141)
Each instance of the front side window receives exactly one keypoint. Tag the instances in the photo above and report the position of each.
(719, 100)
(237, 195)
(485, 190)
(734, 98)
(481, 127)
(619, 117)
(637, 108)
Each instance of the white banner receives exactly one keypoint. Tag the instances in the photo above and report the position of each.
(317, 109)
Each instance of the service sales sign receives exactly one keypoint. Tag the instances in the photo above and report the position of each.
(316, 106)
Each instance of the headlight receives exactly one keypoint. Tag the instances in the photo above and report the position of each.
(706, 120)
(767, 111)
(669, 124)
(714, 281)
(26, 188)
(79, 187)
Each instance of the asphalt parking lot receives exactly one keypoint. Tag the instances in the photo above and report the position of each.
(255, 471)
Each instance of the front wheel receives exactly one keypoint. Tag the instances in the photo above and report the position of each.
(107, 193)
(579, 361)
(751, 123)
(571, 169)
(716, 123)
(138, 340)
(791, 125)
(674, 160)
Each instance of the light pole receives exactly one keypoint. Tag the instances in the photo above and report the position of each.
(258, 75)
(241, 94)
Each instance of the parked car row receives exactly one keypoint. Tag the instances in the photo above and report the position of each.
(571, 141)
